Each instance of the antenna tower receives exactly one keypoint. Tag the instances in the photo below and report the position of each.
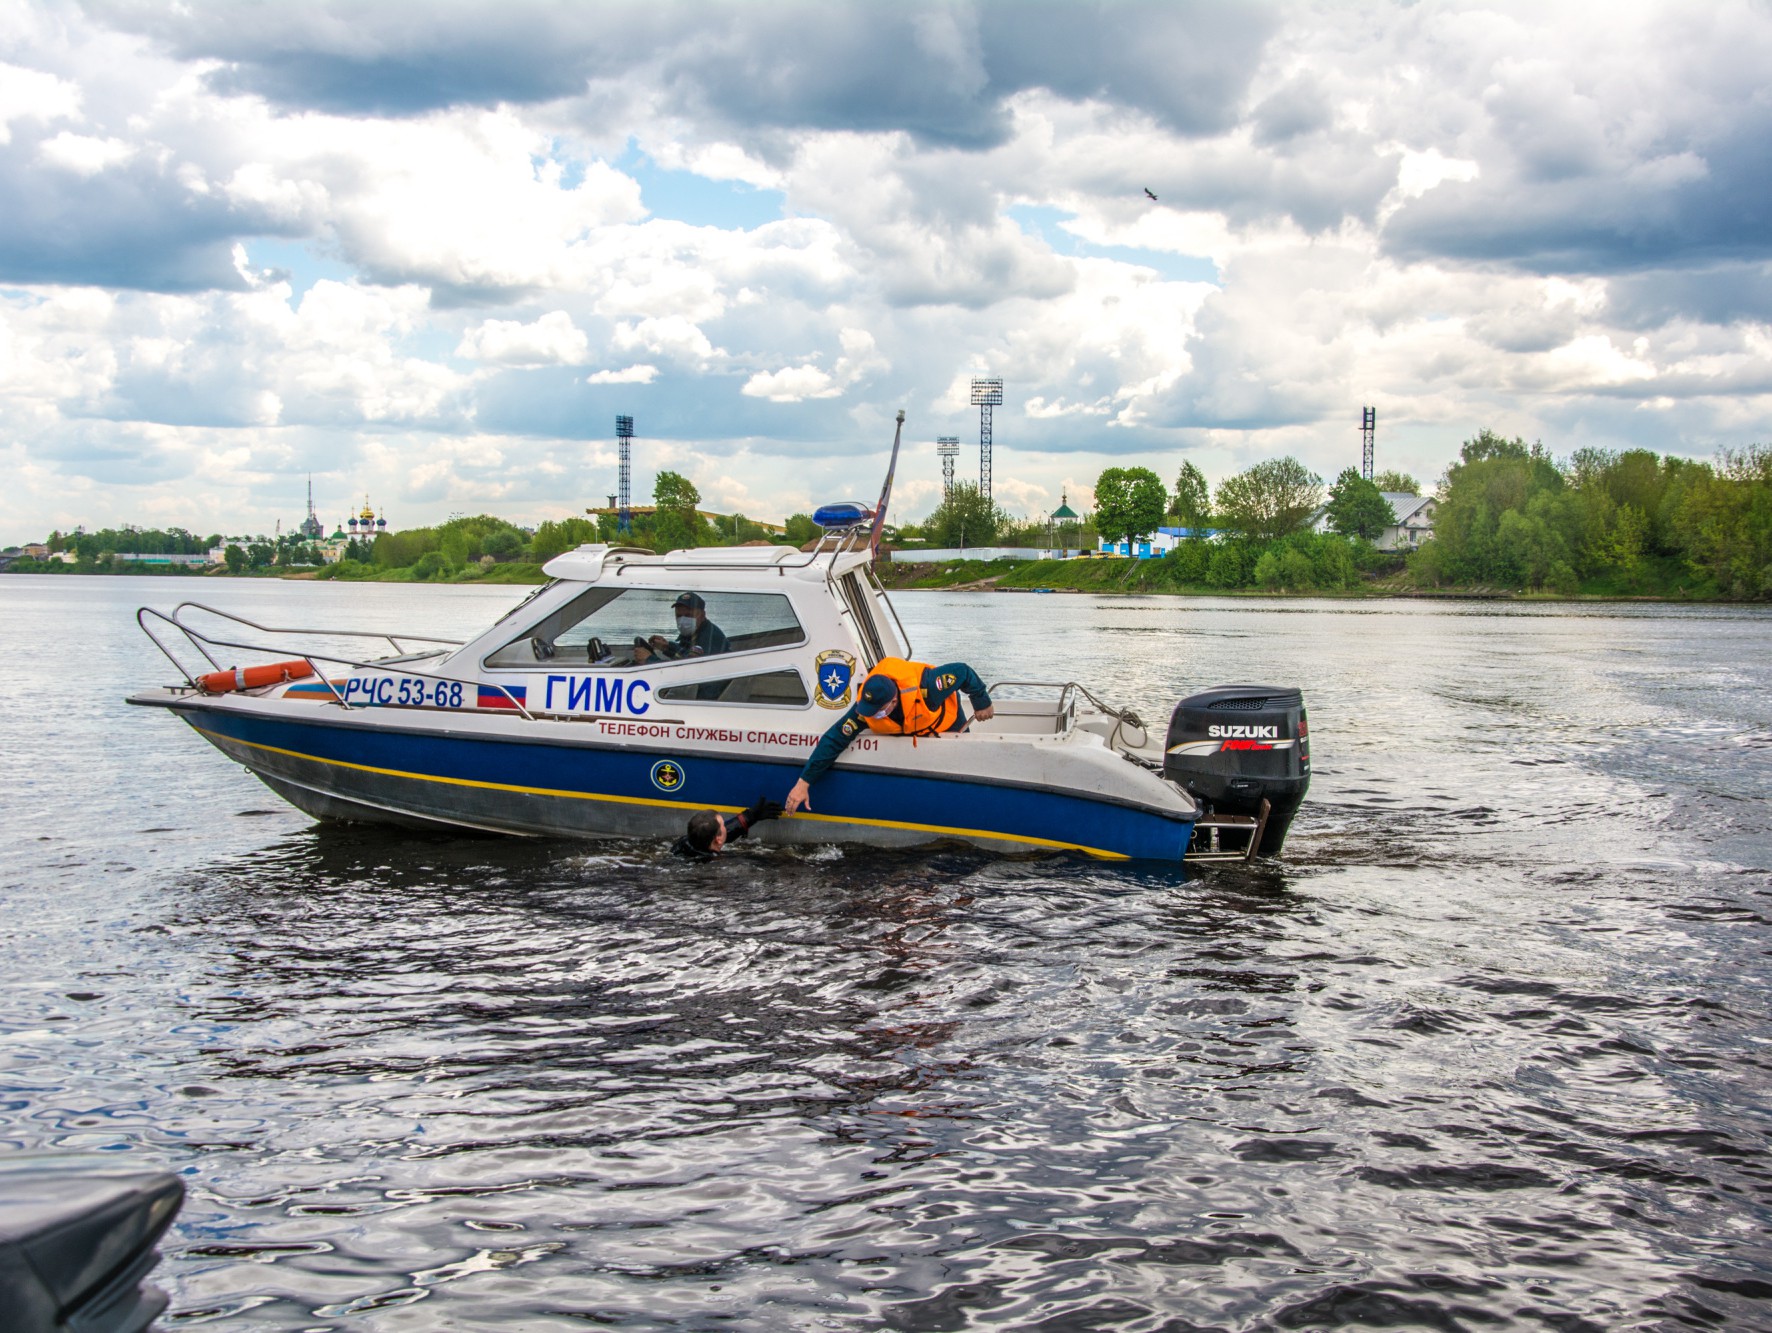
(987, 394)
(1368, 430)
(948, 446)
(624, 435)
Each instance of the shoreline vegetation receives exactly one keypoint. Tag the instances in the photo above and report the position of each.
(1512, 523)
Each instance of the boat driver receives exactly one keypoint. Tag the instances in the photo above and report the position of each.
(899, 698)
(697, 636)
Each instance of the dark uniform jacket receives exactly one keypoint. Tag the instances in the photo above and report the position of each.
(938, 684)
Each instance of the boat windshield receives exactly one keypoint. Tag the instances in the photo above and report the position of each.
(534, 593)
(619, 627)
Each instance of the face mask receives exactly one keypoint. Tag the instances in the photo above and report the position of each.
(685, 624)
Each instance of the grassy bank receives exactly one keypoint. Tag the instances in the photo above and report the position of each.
(1654, 580)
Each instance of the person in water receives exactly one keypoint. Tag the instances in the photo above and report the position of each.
(899, 698)
(710, 831)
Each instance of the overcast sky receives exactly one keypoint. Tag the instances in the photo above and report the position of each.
(428, 252)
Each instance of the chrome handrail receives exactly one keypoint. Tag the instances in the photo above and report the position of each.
(904, 635)
(393, 639)
(204, 642)
(1123, 717)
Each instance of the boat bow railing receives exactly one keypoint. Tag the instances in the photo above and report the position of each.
(148, 617)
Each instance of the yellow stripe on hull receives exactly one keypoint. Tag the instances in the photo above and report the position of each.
(940, 830)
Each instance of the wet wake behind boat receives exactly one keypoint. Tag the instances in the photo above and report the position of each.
(1487, 1050)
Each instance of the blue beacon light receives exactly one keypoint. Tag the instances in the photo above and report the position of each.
(837, 517)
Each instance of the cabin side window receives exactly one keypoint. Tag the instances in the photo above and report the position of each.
(780, 689)
(631, 627)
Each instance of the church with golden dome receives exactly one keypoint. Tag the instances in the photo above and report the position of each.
(363, 526)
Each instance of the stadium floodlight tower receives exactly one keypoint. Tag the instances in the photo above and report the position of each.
(987, 394)
(1368, 434)
(624, 437)
(948, 446)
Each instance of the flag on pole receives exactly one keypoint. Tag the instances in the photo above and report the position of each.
(886, 490)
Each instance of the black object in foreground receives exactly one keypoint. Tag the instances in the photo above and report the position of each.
(1236, 747)
(75, 1247)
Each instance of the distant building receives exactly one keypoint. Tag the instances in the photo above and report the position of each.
(133, 558)
(311, 526)
(365, 525)
(1412, 521)
(1158, 543)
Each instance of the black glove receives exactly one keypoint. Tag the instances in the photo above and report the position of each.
(763, 809)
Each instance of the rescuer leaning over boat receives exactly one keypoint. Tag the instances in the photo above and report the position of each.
(899, 698)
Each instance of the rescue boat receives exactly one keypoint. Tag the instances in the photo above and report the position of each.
(560, 720)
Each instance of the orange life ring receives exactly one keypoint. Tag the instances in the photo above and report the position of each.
(253, 677)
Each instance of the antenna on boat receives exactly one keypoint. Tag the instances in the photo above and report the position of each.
(886, 490)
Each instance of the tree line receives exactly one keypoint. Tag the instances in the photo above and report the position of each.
(483, 545)
(1509, 516)
(1603, 521)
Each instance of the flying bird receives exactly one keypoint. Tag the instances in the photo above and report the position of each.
(1149, 195)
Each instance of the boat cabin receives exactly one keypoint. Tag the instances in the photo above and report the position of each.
(618, 630)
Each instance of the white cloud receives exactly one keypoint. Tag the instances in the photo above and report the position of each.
(31, 94)
(673, 337)
(1417, 173)
(637, 374)
(552, 340)
(1038, 408)
(791, 384)
(794, 384)
(84, 155)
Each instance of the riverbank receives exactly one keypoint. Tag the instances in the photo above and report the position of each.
(1161, 578)
(1104, 577)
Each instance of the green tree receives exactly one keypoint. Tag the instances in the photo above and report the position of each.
(1476, 540)
(505, 544)
(1231, 564)
(675, 523)
(801, 529)
(234, 558)
(672, 490)
(1129, 502)
(1723, 522)
(1397, 483)
(965, 518)
(1267, 572)
(553, 538)
(430, 565)
(1357, 508)
(1270, 500)
(1191, 505)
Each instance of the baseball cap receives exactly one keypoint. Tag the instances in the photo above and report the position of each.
(876, 692)
(691, 600)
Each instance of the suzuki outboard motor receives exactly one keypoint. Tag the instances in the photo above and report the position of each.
(1234, 746)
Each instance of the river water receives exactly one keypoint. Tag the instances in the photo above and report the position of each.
(1488, 1050)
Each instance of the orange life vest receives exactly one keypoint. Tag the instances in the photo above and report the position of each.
(919, 718)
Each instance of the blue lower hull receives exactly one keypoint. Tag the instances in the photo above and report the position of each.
(518, 786)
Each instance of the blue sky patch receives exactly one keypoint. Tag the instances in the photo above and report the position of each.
(298, 260)
(1047, 225)
(683, 196)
